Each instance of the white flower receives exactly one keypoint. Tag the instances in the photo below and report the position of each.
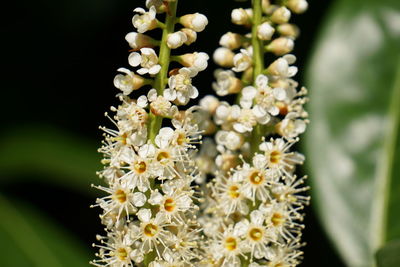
(223, 57)
(176, 39)
(265, 31)
(160, 105)
(228, 193)
(196, 22)
(116, 251)
(151, 231)
(119, 200)
(249, 118)
(278, 157)
(291, 126)
(257, 234)
(227, 247)
(226, 82)
(128, 82)
(255, 180)
(138, 168)
(172, 204)
(181, 88)
(243, 60)
(148, 60)
(146, 21)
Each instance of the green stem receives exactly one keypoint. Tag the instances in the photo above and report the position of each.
(258, 66)
(161, 79)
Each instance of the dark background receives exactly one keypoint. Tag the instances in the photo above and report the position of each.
(59, 59)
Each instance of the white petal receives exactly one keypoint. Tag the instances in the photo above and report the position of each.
(142, 71)
(139, 199)
(139, 10)
(152, 95)
(169, 94)
(279, 93)
(257, 217)
(134, 59)
(142, 101)
(156, 198)
(292, 71)
(144, 215)
(155, 69)
(193, 92)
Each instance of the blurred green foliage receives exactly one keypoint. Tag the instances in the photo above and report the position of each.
(27, 238)
(353, 144)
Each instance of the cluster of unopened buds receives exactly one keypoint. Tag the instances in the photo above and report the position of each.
(250, 213)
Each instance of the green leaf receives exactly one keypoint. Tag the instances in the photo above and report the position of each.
(353, 141)
(389, 255)
(58, 157)
(29, 239)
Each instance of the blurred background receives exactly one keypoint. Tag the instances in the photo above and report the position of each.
(59, 59)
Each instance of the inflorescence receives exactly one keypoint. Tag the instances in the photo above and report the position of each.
(150, 206)
(253, 210)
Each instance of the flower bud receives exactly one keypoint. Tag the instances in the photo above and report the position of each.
(139, 40)
(209, 103)
(196, 22)
(278, 68)
(265, 4)
(281, 46)
(176, 39)
(241, 17)
(190, 34)
(231, 40)
(265, 31)
(223, 57)
(289, 30)
(198, 61)
(280, 15)
(297, 6)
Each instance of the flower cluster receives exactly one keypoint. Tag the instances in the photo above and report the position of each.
(253, 209)
(150, 205)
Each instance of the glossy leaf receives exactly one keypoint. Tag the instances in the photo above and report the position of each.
(29, 239)
(353, 141)
(58, 157)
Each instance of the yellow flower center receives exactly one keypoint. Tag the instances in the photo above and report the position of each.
(150, 230)
(163, 156)
(275, 157)
(256, 178)
(181, 139)
(120, 195)
(169, 205)
(230, 243)
(121, 254)
(277, 219)
(256, 234)
(140, 167)
(234, 191)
